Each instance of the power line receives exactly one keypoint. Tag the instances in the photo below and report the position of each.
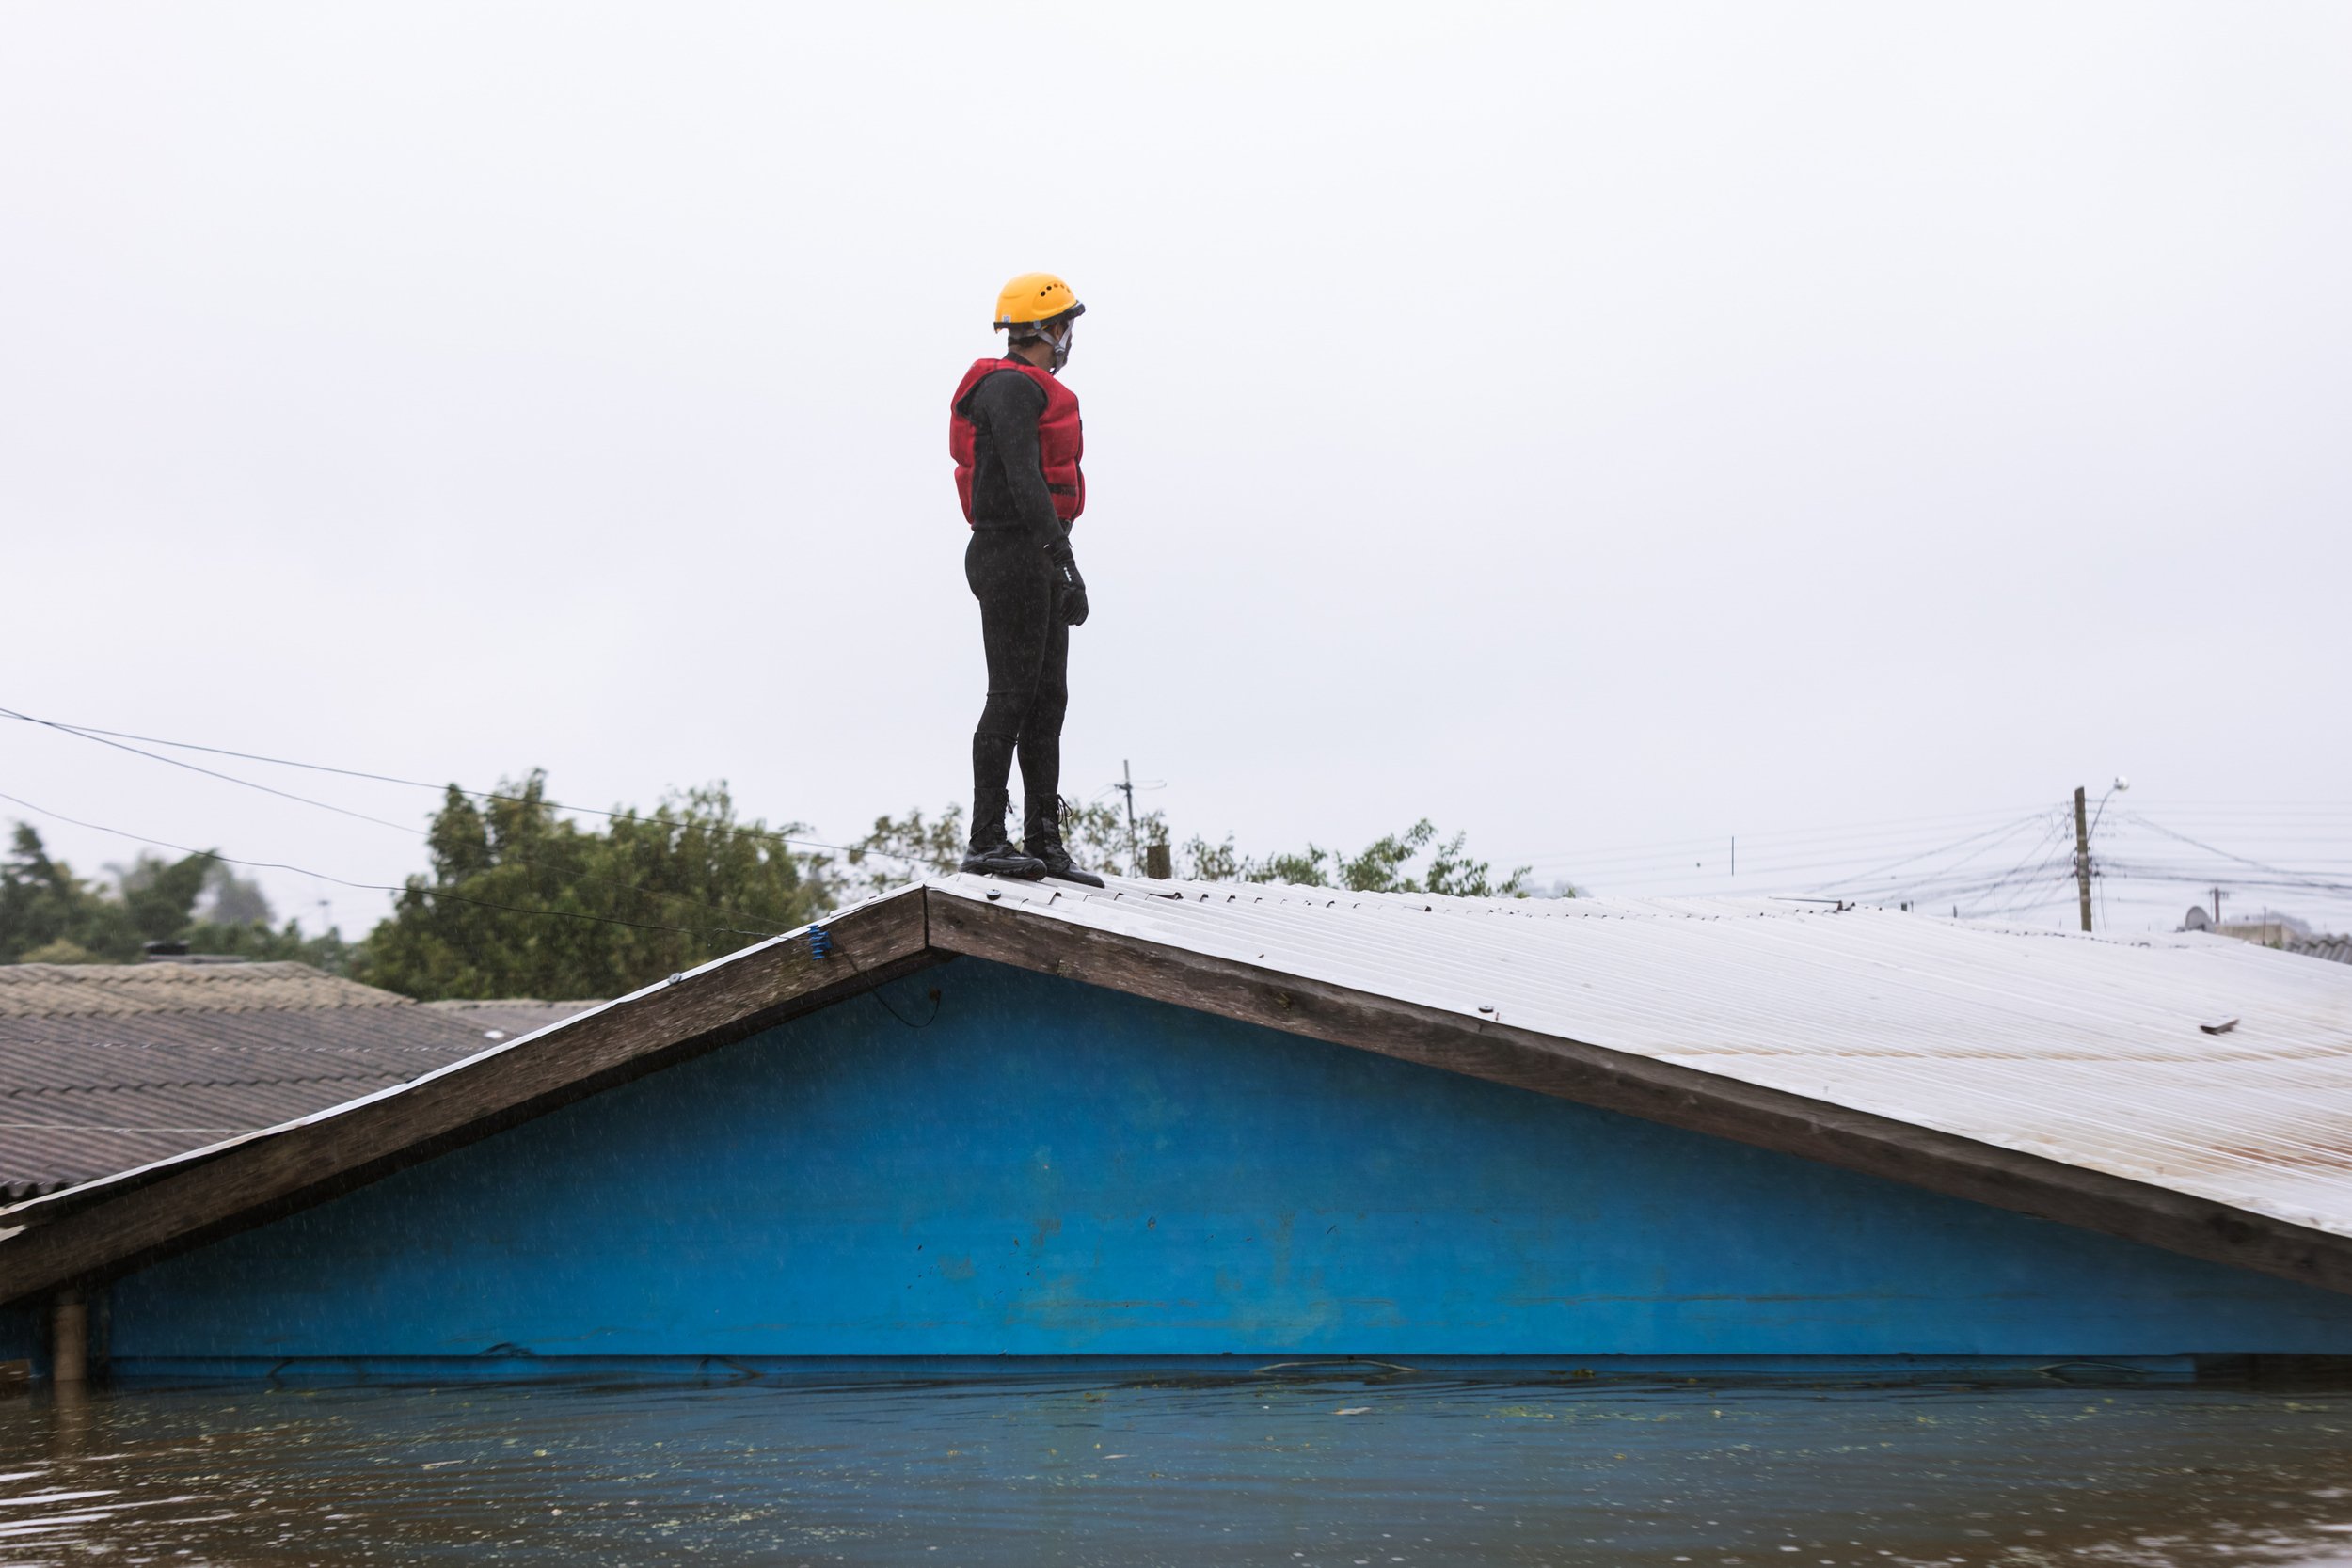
(2052, 832)
(230, 778)
(112, 738)
(1994, 834)
(2210, 849)
(572, 872)
(1665, 849)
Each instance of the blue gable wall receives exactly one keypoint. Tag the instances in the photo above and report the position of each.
(1049, 1168)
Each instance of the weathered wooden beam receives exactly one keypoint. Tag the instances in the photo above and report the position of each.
(69, 1339)
(103, 1235)
(1662, 1092)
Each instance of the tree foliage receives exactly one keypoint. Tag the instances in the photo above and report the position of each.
(49, 914)
(1100, 837)
(900, 847)
(519, 900)
(523, 902)
(1390, 864)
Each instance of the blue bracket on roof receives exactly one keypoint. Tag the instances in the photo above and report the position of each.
(819, 942)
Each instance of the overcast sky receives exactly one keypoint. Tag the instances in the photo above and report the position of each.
(1592, 426)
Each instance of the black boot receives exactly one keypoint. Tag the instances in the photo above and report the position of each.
(1040, 836)
(991, 854)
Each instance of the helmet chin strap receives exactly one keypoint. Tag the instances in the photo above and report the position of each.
(1059, 343)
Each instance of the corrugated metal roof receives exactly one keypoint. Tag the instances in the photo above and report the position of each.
(2185, 1061)
(106, 1067)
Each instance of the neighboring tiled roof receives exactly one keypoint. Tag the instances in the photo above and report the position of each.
(2335, 949)
(506, 1019)
(62, 990)
(105, 1067)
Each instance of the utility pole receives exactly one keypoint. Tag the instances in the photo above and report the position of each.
(2082, 855)
(1128, 787)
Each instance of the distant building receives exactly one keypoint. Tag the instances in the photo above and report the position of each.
(2270, 929)
(105, 1068)
(972, 1118)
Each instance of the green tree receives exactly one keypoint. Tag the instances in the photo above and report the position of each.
(48, 915)
(159, 896)
(900, 847)
(259, 941)
(523, 902)
(1384, 865)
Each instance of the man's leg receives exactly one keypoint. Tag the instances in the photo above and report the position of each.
(1041, 759)
(1040, 726)
(1008, 577)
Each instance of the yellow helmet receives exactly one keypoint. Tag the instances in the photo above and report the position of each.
(1034, 298)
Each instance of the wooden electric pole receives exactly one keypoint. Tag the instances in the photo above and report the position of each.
(1127, 786)
(2082, 855)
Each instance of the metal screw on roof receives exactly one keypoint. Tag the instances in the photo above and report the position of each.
(995, 892)
(1486, 1007)
(674, 979)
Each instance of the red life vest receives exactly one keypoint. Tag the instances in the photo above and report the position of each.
(1060, 438)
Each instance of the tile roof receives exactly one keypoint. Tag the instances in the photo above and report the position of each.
(104, 1068)
(504, 1019)
(60, 990)
(2334, 949)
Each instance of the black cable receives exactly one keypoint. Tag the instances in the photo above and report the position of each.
(875, 991)
(2274, 870)
(2054, 832)
(1995, 835)
(2191, 877)
(1946, 884)
(93, 732)
(511, 860)
(1874, 828)
(174, 762)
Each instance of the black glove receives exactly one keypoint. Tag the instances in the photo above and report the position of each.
(1068, 584)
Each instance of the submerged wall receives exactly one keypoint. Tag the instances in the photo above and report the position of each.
(20, 1335)
(1047, 1169)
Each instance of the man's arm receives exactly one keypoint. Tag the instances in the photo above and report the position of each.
(1008, 405)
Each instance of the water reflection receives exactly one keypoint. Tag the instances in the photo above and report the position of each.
(1299, 1469)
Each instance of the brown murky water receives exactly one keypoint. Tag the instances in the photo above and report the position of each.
(1135, 1468)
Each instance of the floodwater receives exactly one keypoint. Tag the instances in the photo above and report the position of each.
(1297, 1467)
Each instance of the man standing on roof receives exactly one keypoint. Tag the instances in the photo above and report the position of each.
(1014, 434)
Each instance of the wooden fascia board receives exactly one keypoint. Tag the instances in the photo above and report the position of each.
(293, 1167)
(1662, 1092)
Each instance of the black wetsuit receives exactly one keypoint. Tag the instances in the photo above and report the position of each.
(1024, 624)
